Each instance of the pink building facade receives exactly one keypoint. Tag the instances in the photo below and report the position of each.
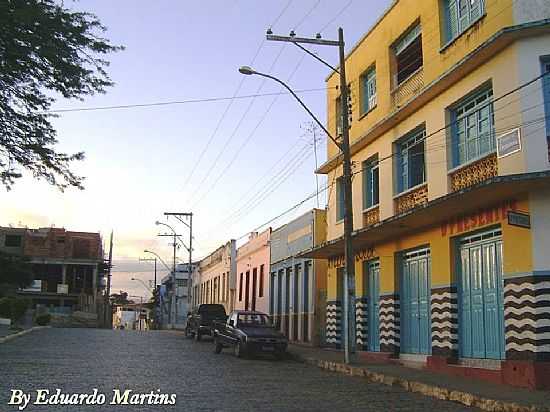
(252, 273)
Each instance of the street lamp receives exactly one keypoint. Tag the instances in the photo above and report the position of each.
(344, 146)
(248, 71)
(142, 282)
(159, 258)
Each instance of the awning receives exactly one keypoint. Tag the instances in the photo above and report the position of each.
(484, 194)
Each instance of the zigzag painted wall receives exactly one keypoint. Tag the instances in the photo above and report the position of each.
(444, 312)
(334, 324)
(361, 326)
(389, 323)
(527, 318)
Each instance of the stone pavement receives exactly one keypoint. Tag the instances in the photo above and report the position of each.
(484, 395)
(79, 360)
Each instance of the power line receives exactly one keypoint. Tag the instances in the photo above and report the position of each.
(222, 118)
(178, 102)
(280, 14)
(235, 130)
(317, 2)
(342, 10)
(247, 140)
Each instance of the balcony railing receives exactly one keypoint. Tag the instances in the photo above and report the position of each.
(411, 199)
(409, 88)
(371, 216)
(474, 173)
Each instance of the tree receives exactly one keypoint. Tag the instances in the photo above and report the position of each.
(15, 272)
(120, 298)
(45, 49)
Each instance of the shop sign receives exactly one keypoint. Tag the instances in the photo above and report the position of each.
(519, 219)
(477, 219)
(362, 255)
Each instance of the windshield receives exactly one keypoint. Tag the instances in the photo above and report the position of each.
(253, 320)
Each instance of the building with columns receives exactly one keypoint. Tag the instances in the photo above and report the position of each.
(450, 146)
(297, 287)
(65, 264)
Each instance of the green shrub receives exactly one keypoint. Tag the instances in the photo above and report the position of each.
(43, 320)
(13, 308)
(5, 308)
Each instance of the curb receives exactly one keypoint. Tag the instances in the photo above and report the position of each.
(468, 399)
(23, 332)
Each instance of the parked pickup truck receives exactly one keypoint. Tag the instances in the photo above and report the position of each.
(200, 320)
(248, 333)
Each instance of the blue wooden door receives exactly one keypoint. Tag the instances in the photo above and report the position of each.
(415, 303)
(373, 299)
(481, 297)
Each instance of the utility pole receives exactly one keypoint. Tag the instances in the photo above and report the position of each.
(349, 284)
(180, 216)
(174, 305)
(151, 260)
(108, 310)
(344, 146)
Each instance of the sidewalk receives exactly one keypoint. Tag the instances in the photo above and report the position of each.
(481, 394)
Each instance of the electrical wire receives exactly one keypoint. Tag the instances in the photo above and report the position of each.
(246, 141)
(179, 102)
(228, 107)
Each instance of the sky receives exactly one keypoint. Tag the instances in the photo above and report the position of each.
(235, 163)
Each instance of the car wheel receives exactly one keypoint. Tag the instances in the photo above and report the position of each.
(217, 346)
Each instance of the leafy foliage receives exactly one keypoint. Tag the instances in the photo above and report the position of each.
(13, 308)
(45, 49)
(15, 270)
(120, 298)
(43, 319)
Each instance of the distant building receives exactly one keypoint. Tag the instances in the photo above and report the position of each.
(65, 266)
(178, 296)
(216, 277)
(131, 316)
(298, 287)
(252, 272)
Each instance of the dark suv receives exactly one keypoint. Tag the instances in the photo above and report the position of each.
(200, 320)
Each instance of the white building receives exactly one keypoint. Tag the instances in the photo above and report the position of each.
(181, 300)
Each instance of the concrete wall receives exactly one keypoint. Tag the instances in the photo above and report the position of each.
(11, 231)
(526, 11)
(530, 51)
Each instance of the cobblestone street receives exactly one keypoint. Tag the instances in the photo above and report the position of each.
(79, 360)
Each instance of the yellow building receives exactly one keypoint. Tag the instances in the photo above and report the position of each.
(450, 143)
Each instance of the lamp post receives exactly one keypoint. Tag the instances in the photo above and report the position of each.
(344, 146)
(174, 303)
(142, 282)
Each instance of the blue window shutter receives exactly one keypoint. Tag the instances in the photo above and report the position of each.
(476, 9)
(452, 19)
